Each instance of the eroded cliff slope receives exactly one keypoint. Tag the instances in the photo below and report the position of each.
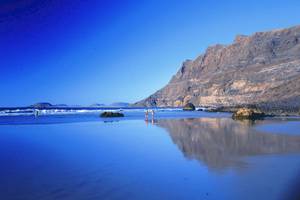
(261, 69)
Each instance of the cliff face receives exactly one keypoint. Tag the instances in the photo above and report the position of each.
(263, 68)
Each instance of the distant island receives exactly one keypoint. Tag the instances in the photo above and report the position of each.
(261, 70)
(119, 104)
(97, 105)
(42, 105)
(47, 105)
(115, 104)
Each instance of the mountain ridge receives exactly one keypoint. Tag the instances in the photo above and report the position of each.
(262, 69)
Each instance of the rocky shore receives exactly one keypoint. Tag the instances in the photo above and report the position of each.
(269, 111)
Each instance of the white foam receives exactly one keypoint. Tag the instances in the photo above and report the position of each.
(30, 111)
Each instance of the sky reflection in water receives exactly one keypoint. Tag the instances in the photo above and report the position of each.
(204, 158)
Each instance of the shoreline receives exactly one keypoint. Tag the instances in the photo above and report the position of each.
(28, 110)
(270, 112)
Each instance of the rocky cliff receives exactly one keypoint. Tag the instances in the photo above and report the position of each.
(261, 69)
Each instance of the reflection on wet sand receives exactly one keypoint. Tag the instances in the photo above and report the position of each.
(221, 142)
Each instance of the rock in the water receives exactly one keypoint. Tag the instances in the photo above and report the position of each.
(111, 114)
(246, 113)
(262, 69)
(189, 107)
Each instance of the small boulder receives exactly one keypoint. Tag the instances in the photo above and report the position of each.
(246, 113)
(111, 114)
(189, 107)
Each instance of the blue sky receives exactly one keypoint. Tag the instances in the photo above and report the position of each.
(93, 51)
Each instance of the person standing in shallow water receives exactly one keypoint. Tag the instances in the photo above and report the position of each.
(146, 115)
(36, 113)
(152, 112)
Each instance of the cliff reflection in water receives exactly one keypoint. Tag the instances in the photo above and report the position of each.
(221, 142)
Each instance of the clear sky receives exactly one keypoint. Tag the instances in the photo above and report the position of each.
(93, 51)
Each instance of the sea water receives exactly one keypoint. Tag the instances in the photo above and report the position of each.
(178, 155)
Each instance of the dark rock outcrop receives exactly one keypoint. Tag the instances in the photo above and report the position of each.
(189, 107)
(111, 114)
(262, 69)
(246, 113)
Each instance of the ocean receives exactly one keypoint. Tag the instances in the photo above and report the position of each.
(177, 155)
